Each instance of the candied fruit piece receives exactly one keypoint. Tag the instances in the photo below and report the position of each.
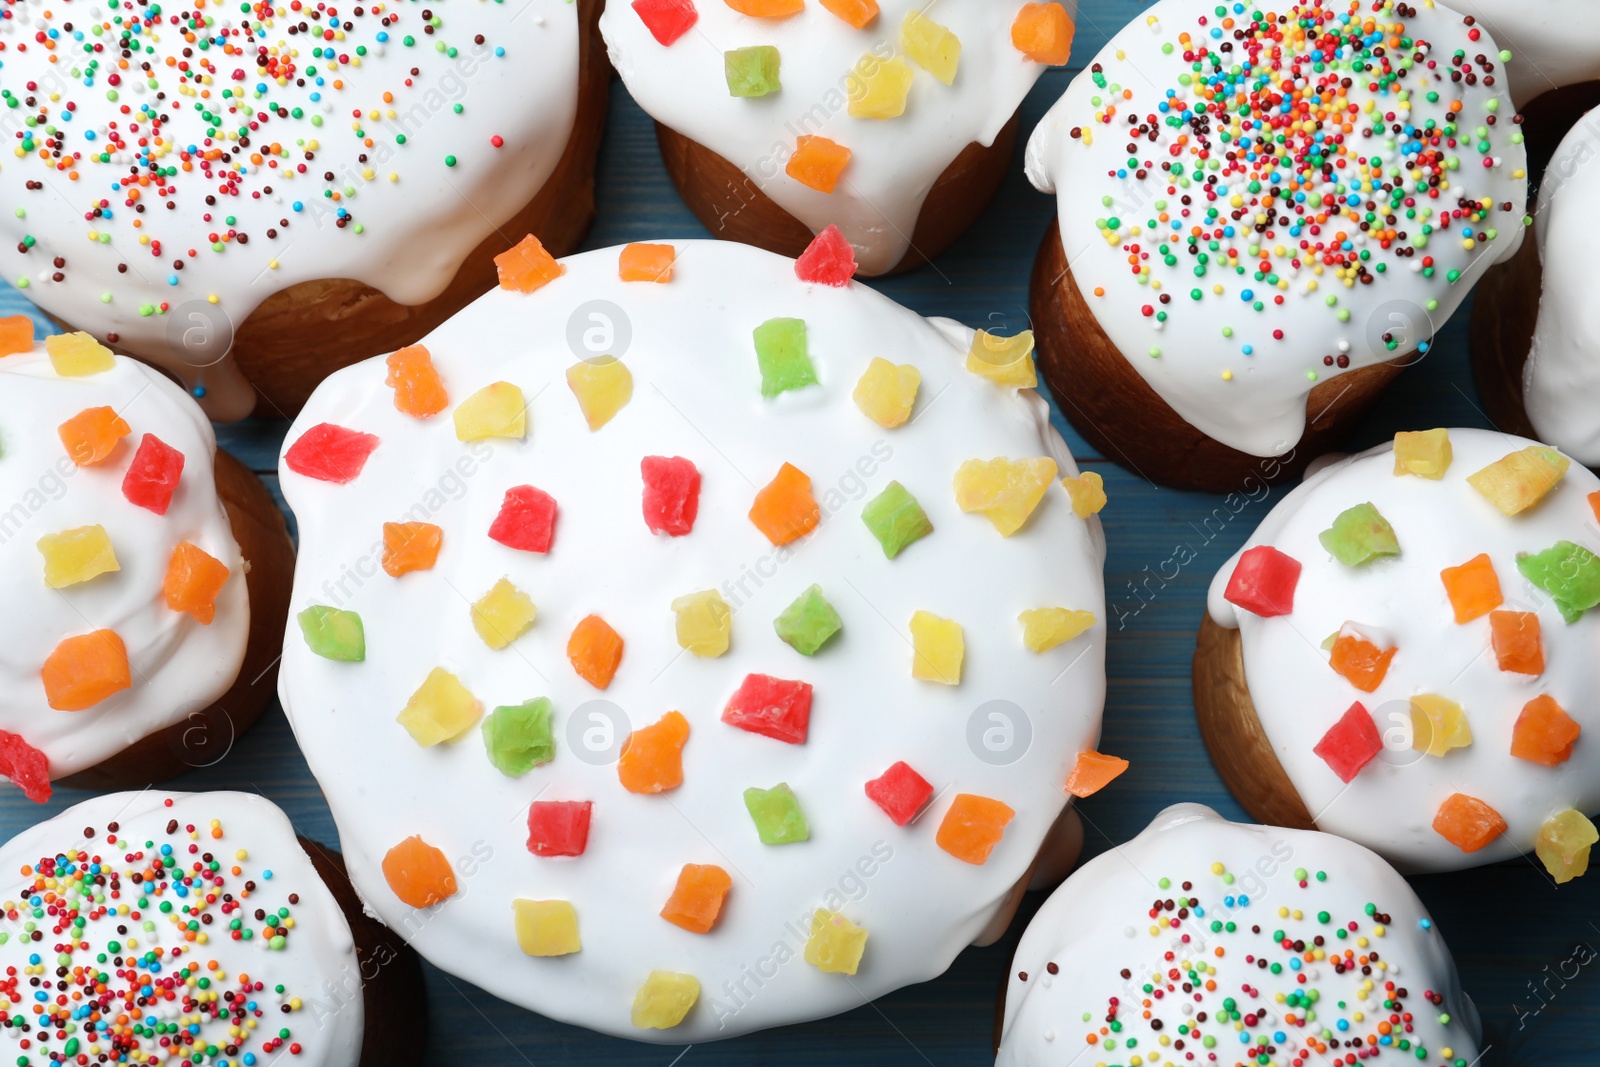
(1092, 772)
(671, 494)
(640, 262)
(1438, 725)
(75, 355)
(896, 519)
(931, 46)
(518, 737)
(836, 944)
(900, 792)
(808, 623)
(973, 827)
(817, 162)
(1424, 453)
(16, 336)
(752, 71)
(1362, 661)
(333, 633)
(1087, 492)
(603, 386)
(546, 927)
(767, 9)
(503, 614)
(1564, 843)
(652, 756)
(1594, 503)
(878, 88)
(442, 709)
(696, 900)
(782, 356)
(856, 12)
(86, 669)
(664, 1000)
(1045, 628)
(667, 20)
(1569, 573)
(496, 410)
(1263, 582)
(26, 766)
(330, 453)
(1359, 535)
(1350, 743)
(1005, 490)
(784, 509)
(93, 434)
(194, 579)
(887, 392)
(418, 389)
(773, 707)
(827, 260)
(153, 475)
(1515, 636)
(1467, 822)
(74, 556)
(1473, 588)
(527, 266)
(1043, 33)
(410, 546)
(527, 520)
(1517, 482)
(1544, 732)
(704, 623)
(777, 815)
(418, 873)
(595, 650)
(559, 827)
(937, 649)
(1003, 360)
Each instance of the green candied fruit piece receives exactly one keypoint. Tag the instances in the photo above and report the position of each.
(518, 737)
(1569, 573)
(752, 71)
(333, 633)
(809, 622)
(781, 352)
(1360, 535)
(777, 815)
(896, 519)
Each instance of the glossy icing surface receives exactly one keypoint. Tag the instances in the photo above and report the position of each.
(1554, 42)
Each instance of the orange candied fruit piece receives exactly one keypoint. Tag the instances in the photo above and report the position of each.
(817, 162)
(768, 9)
(785, 510)
(595, 650)
(972, 827)
(1467, 822)
(418, 873)
(418, 389)
(1473, 588)
(1544, 732)
(1516, 641)
(194, 578)
(652, 757)
(84, 670)
(527, 266)
(1043, 33)
(92, 434)
(16, 335)
(1594, 504)
(410, 546)
(856, 12)
(1362, 663)
(646, 263)
(1093, 772)
(696, 900)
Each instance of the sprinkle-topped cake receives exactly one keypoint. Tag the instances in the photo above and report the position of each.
(1203, 941)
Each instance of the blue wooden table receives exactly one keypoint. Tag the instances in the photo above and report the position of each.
(1519, 940)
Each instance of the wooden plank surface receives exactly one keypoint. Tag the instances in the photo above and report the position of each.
(1512, 931)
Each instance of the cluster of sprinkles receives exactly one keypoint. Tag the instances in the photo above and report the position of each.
(1264, 582)
(1205, 1003)
(117, 968)
(518, 737)
(1303, 153)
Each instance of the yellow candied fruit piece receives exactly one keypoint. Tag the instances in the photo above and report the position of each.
(546, 927)
(74, 556)
(74, 355)
(1438, 725)
(931, 46)
(1005, 490)
(887, 392)
(603, 386)
(1517, 482)
(1087, 492)
(1003, 360)
(1563, 845)
(704, 623)
(836, 943)
(442, 709)
(938, 648)
(503, 614)
(1424, 453)
(664, 1000)
(1045, 628)
(496, 410)
(879, 88)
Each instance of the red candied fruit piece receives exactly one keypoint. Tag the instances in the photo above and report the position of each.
(330, 453)
(1263, 582)
(527, 520)
(828, 260)
(772, 707)
(26, 766)
(559, 827)
(667, 20)
(153, 476)
(1351, 743)
(900, 792)
(671, 494)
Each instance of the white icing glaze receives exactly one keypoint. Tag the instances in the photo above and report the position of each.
(1100, 922)
(415, 229)
(1390, 805)
(316, 964)
(1219, 364)
(1553, 42)
(178, 666)
(894, 162)
(1562, 374)
(696, 394)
